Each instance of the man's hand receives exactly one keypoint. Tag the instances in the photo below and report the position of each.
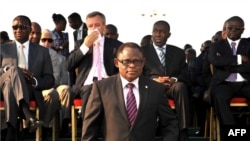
(29, 77)
(244, 59)
(165, 80)
(91, 38)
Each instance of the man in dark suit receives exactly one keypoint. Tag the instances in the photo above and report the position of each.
(24, 80)
(111, 31)
(109, 102)
(230, 59)
(84, 58)
(81, 31)
(166, 64)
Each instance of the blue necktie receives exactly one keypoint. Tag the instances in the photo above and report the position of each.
(233, 76)
(162, 56)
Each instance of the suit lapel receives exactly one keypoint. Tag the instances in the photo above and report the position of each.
(155, 59)
(32, 54)
(227, 48)
(143, 92)
(168, 61)
(120, 98)
(242, 47)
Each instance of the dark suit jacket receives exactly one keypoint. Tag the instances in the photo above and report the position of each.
(84, 62)
(84, 34)
(39, 64)
(175, 63)
(106, 102)
(226, 63)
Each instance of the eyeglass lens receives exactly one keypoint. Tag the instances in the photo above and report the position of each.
(47, 39)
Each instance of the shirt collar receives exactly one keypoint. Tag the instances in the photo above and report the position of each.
(26, 44)
(125, 82)
(81, 27)
(156, 47)
(236, 41)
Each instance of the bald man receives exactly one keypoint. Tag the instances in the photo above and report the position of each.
(35, 34)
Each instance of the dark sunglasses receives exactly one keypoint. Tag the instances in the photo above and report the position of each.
(128, 62)
(21, 27)
(47, 39)
(235, 28)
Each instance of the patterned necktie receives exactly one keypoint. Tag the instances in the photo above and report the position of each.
(97, 60)
(162, 56)
(233, 76)
(79, 34)
(131, 104)
(233, 44)
(21, 58)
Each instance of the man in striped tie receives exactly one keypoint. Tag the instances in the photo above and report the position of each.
(128, 103)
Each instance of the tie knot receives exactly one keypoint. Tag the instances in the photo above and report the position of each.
(233, 44)
(161, 49)
(130, 85)
(22, 46)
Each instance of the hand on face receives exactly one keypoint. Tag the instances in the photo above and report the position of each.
(91, 38)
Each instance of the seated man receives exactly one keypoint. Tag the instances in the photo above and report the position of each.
(231, 76)
(61, 90)
(166, 64)
(25, 70)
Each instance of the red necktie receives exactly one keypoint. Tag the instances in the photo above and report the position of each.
(131, 104)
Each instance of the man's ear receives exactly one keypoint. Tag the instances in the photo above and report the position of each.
(169, 34)
(116, 62)
(144, 61)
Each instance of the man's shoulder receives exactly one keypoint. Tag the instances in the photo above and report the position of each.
(112, 41)
(12, 43)
(175, 48)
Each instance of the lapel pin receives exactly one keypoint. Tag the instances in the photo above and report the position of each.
(146, 86)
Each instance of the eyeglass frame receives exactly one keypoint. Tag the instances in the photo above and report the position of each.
(21, 27)
(127, 62)
(50, 40)
(230, 28)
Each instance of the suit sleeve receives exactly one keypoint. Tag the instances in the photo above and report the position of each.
(46, 79)
(74, 59)
(218, 58)
(92, 116)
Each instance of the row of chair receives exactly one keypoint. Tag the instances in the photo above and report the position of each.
(212, 121)
(33, 106)
(214, 125)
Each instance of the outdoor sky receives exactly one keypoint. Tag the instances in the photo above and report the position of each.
(191, 21)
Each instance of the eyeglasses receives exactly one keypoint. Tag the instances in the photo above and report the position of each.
(47, 39)
(235, 28)
(21, 27)
(128, 62)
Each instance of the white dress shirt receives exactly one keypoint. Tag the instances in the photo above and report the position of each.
(93, 70)
(135, 90)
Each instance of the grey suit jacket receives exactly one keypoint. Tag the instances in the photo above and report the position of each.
(59, 68)
(39, 63)
(106, 103)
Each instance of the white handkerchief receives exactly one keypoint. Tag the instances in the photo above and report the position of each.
(99, 37)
